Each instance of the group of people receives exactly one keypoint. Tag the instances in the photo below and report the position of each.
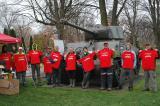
(52, 62)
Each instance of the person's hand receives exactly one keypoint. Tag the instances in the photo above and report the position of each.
(29, 66)
(55, 60)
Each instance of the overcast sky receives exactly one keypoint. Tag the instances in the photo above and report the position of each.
(36, 27)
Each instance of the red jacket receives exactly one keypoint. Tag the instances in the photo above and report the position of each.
(87, 62)
(47, 65)
(128, 60)
(71, 62)
(56, 57)
(7, 58)
(105, 56)
(20, 61)
(148, 59)
(34, 56)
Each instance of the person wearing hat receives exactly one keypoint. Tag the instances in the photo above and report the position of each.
(128, 57)
(34, 56)
(20, 61)
(105, 57)
(148, 58)
(56, 58)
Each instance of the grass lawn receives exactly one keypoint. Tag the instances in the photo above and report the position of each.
(41, 96)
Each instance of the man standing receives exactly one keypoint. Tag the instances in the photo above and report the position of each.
(35, 60)
(88, 66)
(56, 60)
(148, 57)
(105, 56)
(71, 63)
(48, 66)
(128, 64)
(20, 61)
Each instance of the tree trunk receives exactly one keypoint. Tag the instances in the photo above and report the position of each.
(157, 37)
(114, 13)
(60, 28)
(103, 12)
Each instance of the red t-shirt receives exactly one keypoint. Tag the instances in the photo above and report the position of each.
(105, 56)
(34, 56)
(20, 61)
(128, 59)
(71, 62)
(7, 58)
(148, 59)
(88, 62)
(56, 56)
(47, 65)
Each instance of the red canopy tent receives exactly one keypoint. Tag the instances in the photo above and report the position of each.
(8, 39)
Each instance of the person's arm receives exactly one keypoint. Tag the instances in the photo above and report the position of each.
(156, 53)
(113, 53)
(51, 60)
(135, 59)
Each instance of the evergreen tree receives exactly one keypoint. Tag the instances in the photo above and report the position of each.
(23, 45)
(5, 31)
(31, 43)
(12, 32)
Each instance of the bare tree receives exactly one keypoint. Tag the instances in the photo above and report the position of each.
(131, 13)
(8, 16)
(103, 12)
(52, 12)
(116, 11)
(153, 7)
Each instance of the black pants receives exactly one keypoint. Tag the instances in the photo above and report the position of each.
(55, 75)
(106, 74)
(72, 74)
(35, 68)
(21, 77)
(48, 78)
(86, 79)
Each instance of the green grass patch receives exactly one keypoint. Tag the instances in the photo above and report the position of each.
(41, 96)
(63, 96)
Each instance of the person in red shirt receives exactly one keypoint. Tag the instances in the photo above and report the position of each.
(35, 60)
(20, 61)
(71, 60)
(128, 64)
(6, 57)
(48, 66)
(105, 57)
(88, 66)
(56, 58)
(148, 58)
